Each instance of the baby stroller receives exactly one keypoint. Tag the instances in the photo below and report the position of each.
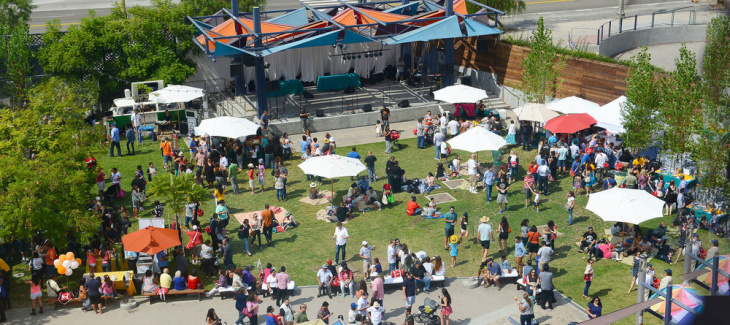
(427, 313)
(394, 136)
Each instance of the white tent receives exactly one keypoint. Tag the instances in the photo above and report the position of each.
(625, 205)
(609, 116)
(176, 94)
(535, 112)
(227, 127)
(460, 94)
(572, 105)
(477, 139)
(331, 166)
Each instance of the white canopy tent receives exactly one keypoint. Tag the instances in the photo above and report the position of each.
(332, 166)
(535, 112)
(460, 94)
(609, 116)
(572, 105)
(176, 94)
(227, 127)
(625, 205)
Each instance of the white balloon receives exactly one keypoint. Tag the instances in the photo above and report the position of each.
(66, 264)
(69, 272)
(74, 265)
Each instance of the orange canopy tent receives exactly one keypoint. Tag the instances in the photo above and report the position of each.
(151, 240)
(228, 28)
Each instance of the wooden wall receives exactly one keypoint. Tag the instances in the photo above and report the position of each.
(596, 81)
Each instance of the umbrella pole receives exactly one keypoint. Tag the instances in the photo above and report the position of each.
(333, 192)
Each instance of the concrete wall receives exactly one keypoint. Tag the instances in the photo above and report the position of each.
(335, 122)
(488, 81)
(619, 43)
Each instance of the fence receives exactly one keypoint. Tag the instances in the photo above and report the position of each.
(660, 18)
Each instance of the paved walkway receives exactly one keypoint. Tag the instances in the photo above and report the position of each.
(471, 306)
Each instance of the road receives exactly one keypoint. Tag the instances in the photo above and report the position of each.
(70, 12)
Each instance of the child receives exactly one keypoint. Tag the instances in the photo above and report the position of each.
(454, 249)
(376, 268)
(151, 171)
(324, 313)
(251, 182)
(36, 295)
(159, 210)
(261, 174)
(107, 288)
(378, 129)
(199, 176)
(537, 202)
(91, 258)
(577, 184)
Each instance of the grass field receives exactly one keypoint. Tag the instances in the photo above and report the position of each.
(303, 249)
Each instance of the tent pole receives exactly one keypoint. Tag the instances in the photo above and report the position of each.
(333, 191)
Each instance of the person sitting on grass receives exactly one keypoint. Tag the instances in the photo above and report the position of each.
(413, 208)
(289, 221)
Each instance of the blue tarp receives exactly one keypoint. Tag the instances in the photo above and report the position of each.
(446, 28)
(295, 18)
(327, 38)
(475, 28)
(352, 37)
(412, 7)
(227, 50)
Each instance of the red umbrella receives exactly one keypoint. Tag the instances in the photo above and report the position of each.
(570, 123)
(151, 240)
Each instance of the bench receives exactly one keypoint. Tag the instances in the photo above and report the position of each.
(54, 301)
(289, 288)
(387, 280)
(521, 284)
(174, 292)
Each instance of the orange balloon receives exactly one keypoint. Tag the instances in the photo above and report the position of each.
(62, 257)
(61, 270)
(70, 256)
(78, 260)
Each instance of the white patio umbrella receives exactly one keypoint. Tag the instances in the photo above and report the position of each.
(609, 116)
(176, 94)
(332, 166)
(227, 127)
(460, 94)
(572, 105)
(535, 112)
(625, 205)
(477, 139)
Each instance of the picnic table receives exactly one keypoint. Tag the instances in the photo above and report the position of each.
(118, 278)
(668, 177)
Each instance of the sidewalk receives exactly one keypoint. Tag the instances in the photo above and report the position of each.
(471, 306)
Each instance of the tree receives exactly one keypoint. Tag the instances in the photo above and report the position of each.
(145, 43)
(16, 54)
(639, 112)
(15, 12)
(44, 184)
(176, 191)
(541, 76)
(681, 104)
(210, 7)
(509, 7)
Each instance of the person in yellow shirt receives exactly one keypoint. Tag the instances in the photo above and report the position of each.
(166, 149)
(165, 280)
(639, 162)
(219, 194)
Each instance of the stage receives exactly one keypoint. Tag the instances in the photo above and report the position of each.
(343, 110)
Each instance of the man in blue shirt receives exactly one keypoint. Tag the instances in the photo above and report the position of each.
(193, 145)
(519, 254)
(552, 140)
(575, 167)
(493, 273)
(363, 184)
(162, 261)
(304, 145)
(115, 142)
(264, 122)
(354, 154)
(489, 182)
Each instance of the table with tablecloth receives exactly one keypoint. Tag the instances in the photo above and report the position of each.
(668, 177)
(287, 87)
(118, 279)
(338, 81)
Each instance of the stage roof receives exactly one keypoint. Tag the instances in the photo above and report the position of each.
(388, 22)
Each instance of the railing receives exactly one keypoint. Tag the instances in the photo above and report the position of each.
(656, 19)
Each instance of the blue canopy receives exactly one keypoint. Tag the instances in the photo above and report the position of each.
(446, 28)
(475, 28)
(412, 7)
(295, 18)
(327, 38)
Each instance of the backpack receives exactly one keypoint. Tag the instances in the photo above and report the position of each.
(703, 253)
(65, 297)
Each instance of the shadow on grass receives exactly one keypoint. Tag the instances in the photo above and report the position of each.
(601, 293)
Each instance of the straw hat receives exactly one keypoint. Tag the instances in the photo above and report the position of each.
(326, 140)
(484, 219)
(454, 239)
(313, 184)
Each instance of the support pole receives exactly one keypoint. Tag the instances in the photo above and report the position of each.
(687, 259)
(640, 289)
(668, 306)
(713, 287)
(260, 69)
(448, 77)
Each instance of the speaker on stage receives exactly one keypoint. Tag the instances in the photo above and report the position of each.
(367, 108)
(272, 86)
(349, 90)
(308, 95)
(404, 103)
(319, 113)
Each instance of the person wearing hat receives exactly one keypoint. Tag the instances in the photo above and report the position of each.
(454, 249)
(366, 254)
(714, 250)
(326, 146)
(324, 313)
(251, 179)
(666, 280)
(375, 313)
(324, 280)
(289, 221)
(313, 192)
(484, 233)
(352, 313)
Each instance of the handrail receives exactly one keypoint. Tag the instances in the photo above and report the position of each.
(605, 30)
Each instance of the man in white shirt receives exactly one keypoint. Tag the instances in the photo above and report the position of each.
(376, 313)
(484, 233)
(545, 253)
(137, 123)
(453, 128)
(331, 139)
(438, 139)
(366, 254)
(601, 160)
(392, 256)
(224, 161)
(471, 166)
(443, 121)
(340, 238)
(574, 149)
(324, 279)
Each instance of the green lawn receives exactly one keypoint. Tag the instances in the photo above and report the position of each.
(305, 248)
